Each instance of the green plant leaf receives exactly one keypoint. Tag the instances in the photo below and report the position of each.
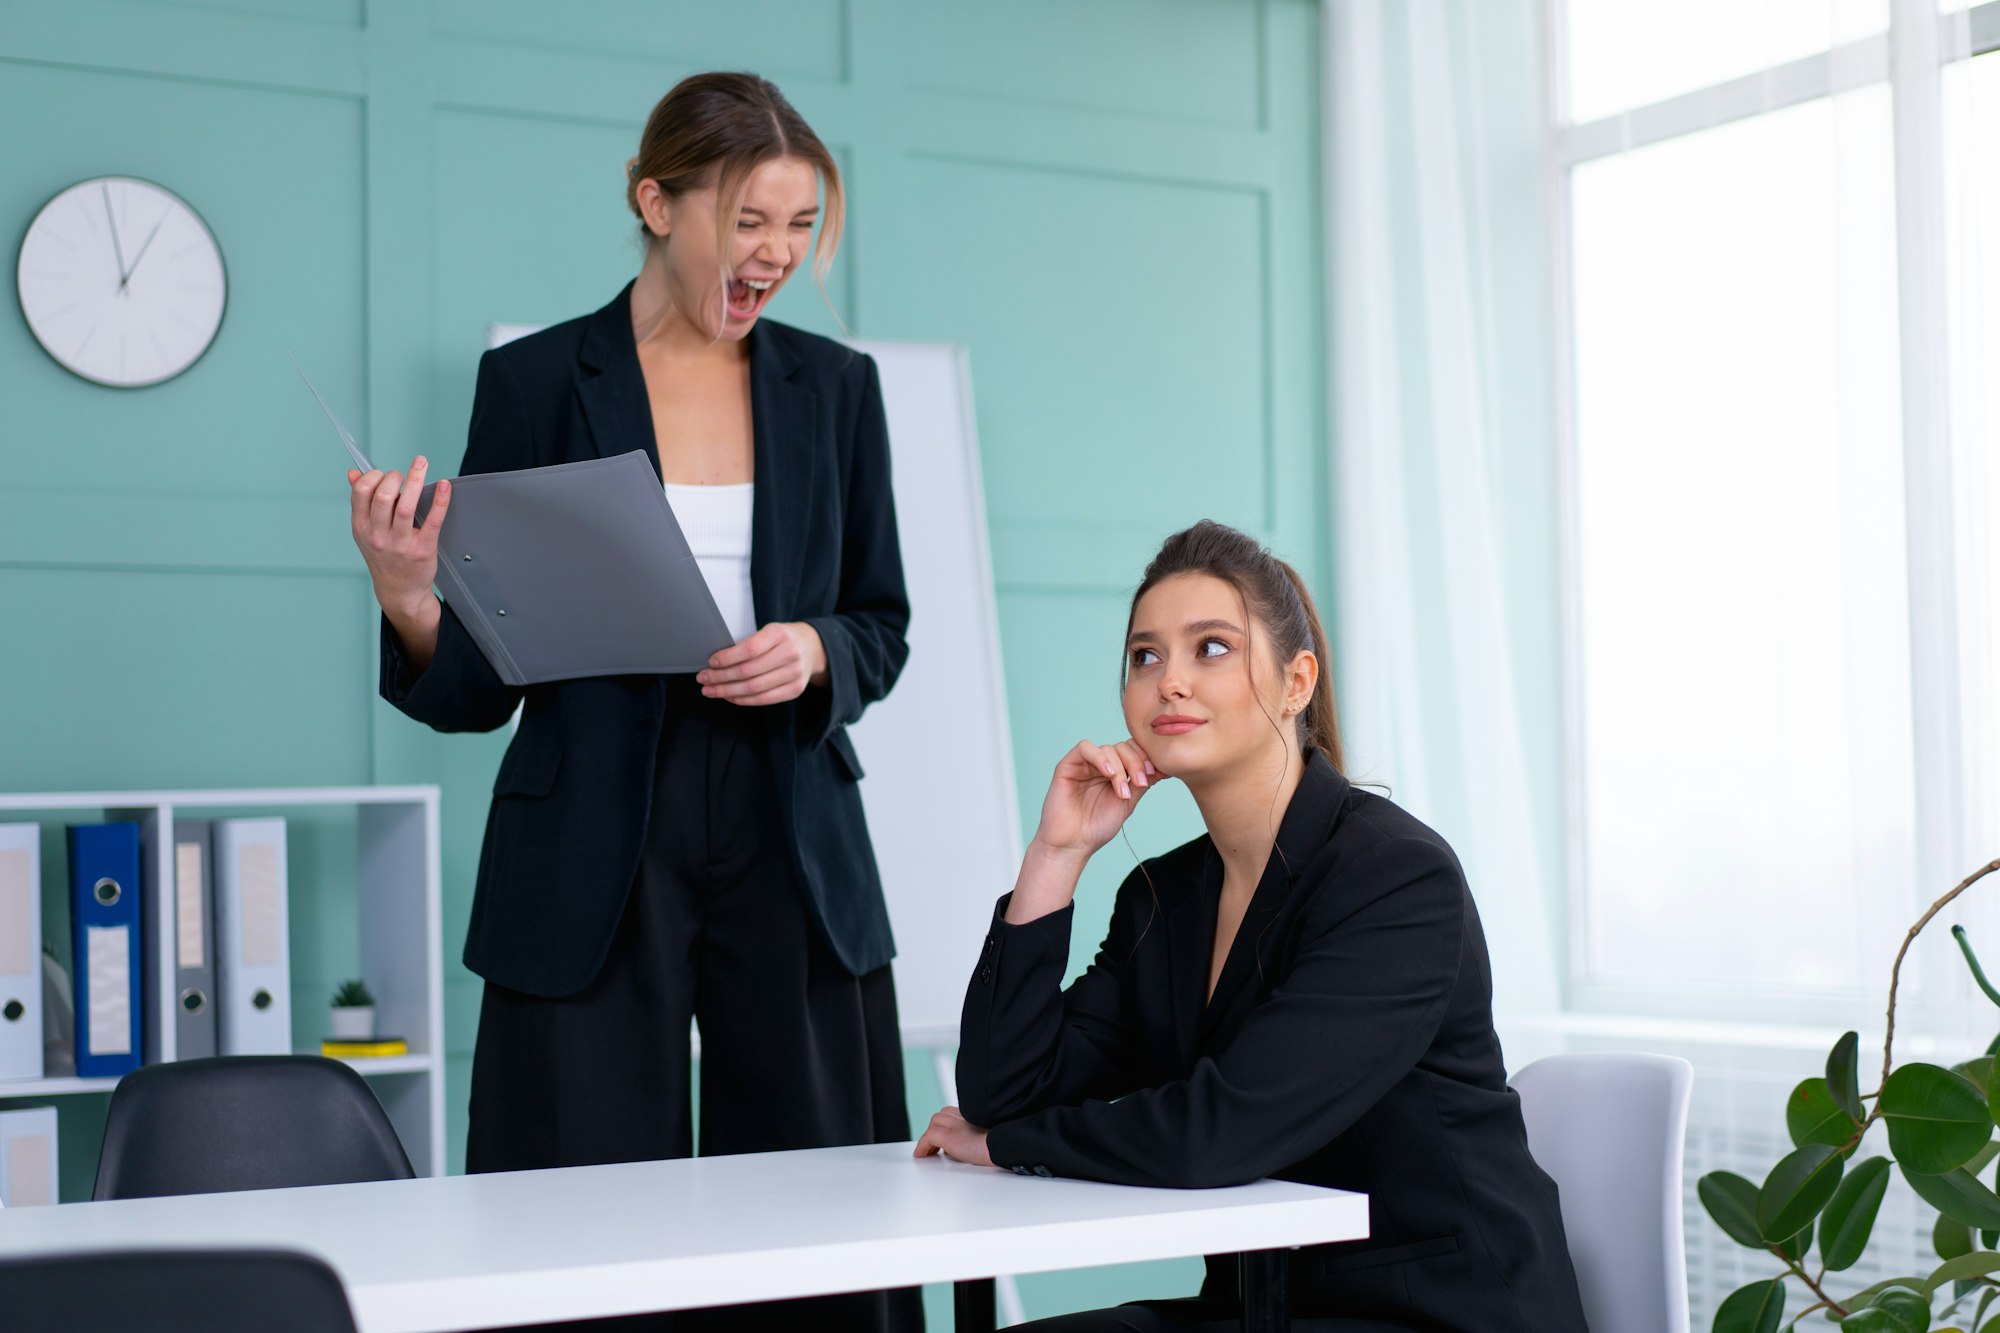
(1797, 1188)
(1842, 1076)
(1757, 1308)
(1795, 1249)
(1958, 1195)
(1980, 1160)
(1977, 1264)
(1867, 1294)
(1972, 963)
(1992, 1086)
(1937, 1120)
(1911, 1311)
(1732, 1202)
(1850, 1214)
(1950, 1238)
(1813, 1116)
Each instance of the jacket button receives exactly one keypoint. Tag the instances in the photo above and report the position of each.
(989, 944)
(986, 975)
(1043, 1171)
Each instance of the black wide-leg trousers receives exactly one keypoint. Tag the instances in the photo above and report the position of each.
(796, 1052)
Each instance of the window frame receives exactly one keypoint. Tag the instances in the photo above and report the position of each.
(1911, 56)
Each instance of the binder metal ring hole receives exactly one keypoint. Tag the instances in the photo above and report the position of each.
(193, 1001)
(14, 1010)
(106, 891)
(261, 1000)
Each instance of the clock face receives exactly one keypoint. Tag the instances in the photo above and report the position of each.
(121, 282)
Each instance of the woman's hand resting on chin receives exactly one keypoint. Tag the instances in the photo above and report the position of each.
(1095, 788)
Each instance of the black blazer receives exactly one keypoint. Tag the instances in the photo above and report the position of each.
(571, 801)
(1350, 1043)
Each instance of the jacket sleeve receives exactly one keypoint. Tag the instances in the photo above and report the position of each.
(865, 647)
(460, 690)
(1361, 1003)
(1025, 1043)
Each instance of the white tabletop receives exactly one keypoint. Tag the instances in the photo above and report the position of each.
(530, 1246)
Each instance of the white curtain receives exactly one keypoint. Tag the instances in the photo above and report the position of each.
(1445, 566)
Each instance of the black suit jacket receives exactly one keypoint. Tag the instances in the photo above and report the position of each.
(1349, 1043)
(571, 801)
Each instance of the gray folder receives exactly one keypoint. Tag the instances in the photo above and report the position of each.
(578, 569)
(575, 570)
(192, 926)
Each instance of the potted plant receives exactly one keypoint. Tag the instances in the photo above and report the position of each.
(1816, 1208)
(353, 1012)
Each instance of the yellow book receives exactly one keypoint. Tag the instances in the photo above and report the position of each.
(361, 1050)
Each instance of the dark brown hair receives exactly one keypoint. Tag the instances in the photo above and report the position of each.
(1276, 599)
(715, 129)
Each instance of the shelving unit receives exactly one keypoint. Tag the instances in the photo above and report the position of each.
(397, 898)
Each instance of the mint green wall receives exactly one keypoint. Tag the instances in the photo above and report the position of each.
(1113, 203)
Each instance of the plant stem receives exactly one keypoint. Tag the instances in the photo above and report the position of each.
(1840, 1311)
(1896, 972)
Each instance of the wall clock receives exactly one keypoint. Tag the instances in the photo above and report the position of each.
(121, 282)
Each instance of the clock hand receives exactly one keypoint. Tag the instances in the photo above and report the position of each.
(115, 248)
(142, 253)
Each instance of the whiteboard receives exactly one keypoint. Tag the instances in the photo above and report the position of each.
(939, 791)
(940, 761)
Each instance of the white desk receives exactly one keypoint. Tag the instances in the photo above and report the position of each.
(468, 1251)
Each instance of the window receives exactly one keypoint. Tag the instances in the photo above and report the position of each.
(1783, 464)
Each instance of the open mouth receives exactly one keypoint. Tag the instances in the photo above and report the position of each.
(746, 296)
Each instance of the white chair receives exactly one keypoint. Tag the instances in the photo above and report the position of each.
(1610, 1129)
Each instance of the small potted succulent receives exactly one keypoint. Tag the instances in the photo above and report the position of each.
(353, 1012)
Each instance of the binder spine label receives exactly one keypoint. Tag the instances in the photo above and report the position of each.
(263, 909)
(190, 913)
(109, 954)
(31, 1171)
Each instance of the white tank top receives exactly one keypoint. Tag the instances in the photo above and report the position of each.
(716, 520)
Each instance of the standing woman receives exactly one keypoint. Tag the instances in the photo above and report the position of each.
(666, 847)
(1303, 991)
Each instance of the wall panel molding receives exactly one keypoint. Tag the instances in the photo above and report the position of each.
(134, 37)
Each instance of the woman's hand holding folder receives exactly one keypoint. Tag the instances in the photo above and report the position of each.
(401, 556)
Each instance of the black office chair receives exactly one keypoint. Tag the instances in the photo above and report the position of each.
(244, 1122)
(173, 1291)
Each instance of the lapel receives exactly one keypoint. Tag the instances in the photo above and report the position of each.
(612, 388)
(1190, 942)
(784, 425)
(784, 416)
(1304, 829)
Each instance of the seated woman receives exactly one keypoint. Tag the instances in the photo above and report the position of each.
(1302, 992)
